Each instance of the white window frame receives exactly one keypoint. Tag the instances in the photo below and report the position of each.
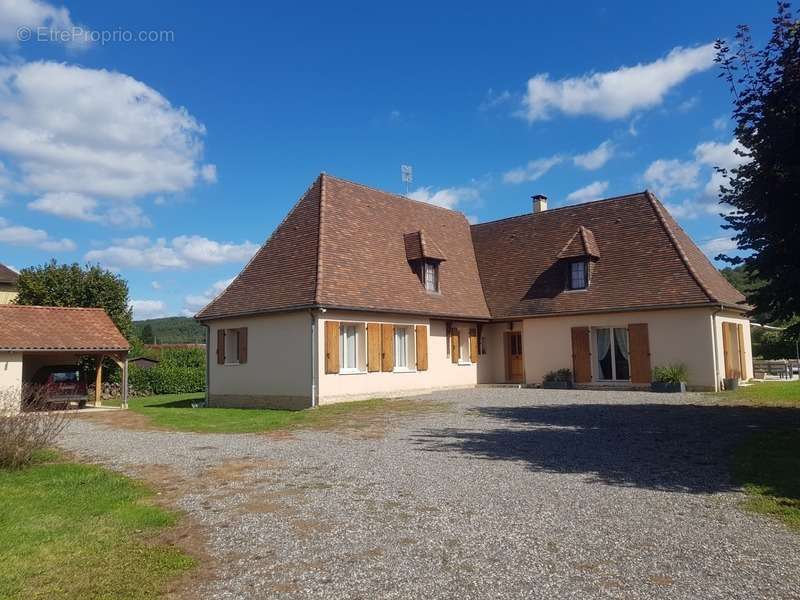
(585, 265)
(229, 356)
(464, 357)
(430, 267)
(411, 349)
(360, 352)
(596, 353)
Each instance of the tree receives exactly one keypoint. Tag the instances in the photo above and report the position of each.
(764, 192)
(147, 334)
(53, 284)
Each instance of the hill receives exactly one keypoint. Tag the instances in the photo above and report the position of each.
(171, 330)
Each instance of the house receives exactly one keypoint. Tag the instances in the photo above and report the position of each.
(361, 293)
(8, 284)
(34, 337)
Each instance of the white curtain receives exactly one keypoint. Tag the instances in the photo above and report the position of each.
(603, 343)
(621, 340)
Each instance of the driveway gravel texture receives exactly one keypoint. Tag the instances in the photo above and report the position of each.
(504, 493)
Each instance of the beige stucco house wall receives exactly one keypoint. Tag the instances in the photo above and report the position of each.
(441, 372)
(683, 335)
(278, 368)
(10, 381)
(8, 292)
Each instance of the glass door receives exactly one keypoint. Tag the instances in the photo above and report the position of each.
(613, 356)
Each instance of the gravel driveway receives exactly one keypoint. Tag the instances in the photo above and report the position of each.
(507, 494)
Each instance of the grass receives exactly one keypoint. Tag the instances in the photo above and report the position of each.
(81, 532)
(767, 465)
(768, 393)
(174, 411)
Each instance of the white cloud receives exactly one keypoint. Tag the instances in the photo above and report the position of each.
(18, 235)
(594, 159)
(667, 176)
(688, 104)
(99, 134)
(720, 123)
(182, 252)
(593, 191)
(148, 309)
(614, 94)
(694, 207)
(533, 170)
(155, 285)
(717, 245)
(446, 197)
(33, 14)
(194, 303)
(494, 99)
(71, 205)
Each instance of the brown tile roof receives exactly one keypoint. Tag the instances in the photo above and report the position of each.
(582, 243)
(7, 275)
(58, 328)
(646, 260)
(343, 246)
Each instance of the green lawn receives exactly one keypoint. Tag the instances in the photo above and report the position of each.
(174, 411)
(767, 465)
(768, 393)
(81, 532)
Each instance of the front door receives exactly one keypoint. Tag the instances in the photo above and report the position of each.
(514, 368)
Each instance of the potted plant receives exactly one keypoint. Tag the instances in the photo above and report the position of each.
(671, 378)
(560, 379)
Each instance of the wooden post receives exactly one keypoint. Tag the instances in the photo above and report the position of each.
(98, 382)
(125, 383)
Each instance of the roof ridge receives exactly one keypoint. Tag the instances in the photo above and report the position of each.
(318, 275)
(38, 306)
(399, 196)
(569, 206)
(658, 209)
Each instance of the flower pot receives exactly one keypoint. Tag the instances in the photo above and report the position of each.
(668, 387)
(557, 385)
(730, 384)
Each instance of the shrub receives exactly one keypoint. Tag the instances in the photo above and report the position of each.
(559, 375)
(675, 373)
(24, 434)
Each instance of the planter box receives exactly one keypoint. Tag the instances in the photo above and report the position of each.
(669, 388)
(558, 385)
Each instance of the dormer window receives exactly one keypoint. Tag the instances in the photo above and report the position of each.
(578, 275)
(431, 276)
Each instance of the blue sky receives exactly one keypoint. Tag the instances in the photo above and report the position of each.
(172, 160)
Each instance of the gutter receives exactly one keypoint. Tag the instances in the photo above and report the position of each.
(314, 399)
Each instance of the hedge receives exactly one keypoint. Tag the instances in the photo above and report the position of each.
(180, 371)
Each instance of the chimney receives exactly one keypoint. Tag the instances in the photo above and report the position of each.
(539, 203)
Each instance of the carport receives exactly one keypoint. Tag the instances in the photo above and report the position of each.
(33, 337)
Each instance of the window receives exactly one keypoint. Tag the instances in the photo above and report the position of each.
(463, 341)
(431, 276)
(613, 357)
(231, 346)
(404, 350)
(578, 272)
(351, 352)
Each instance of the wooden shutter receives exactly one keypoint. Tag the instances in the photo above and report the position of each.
(331, 346)
(455, 346)
(742, 358)
(387, 350)
(639, 350)
(242, 345)
(373, 347)
(473, 345)
(220, 346)
(422, 347)
(581, 355)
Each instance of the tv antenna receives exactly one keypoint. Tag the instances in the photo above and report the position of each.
(407, 175)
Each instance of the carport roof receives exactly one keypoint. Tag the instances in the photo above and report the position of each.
(37, 328)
